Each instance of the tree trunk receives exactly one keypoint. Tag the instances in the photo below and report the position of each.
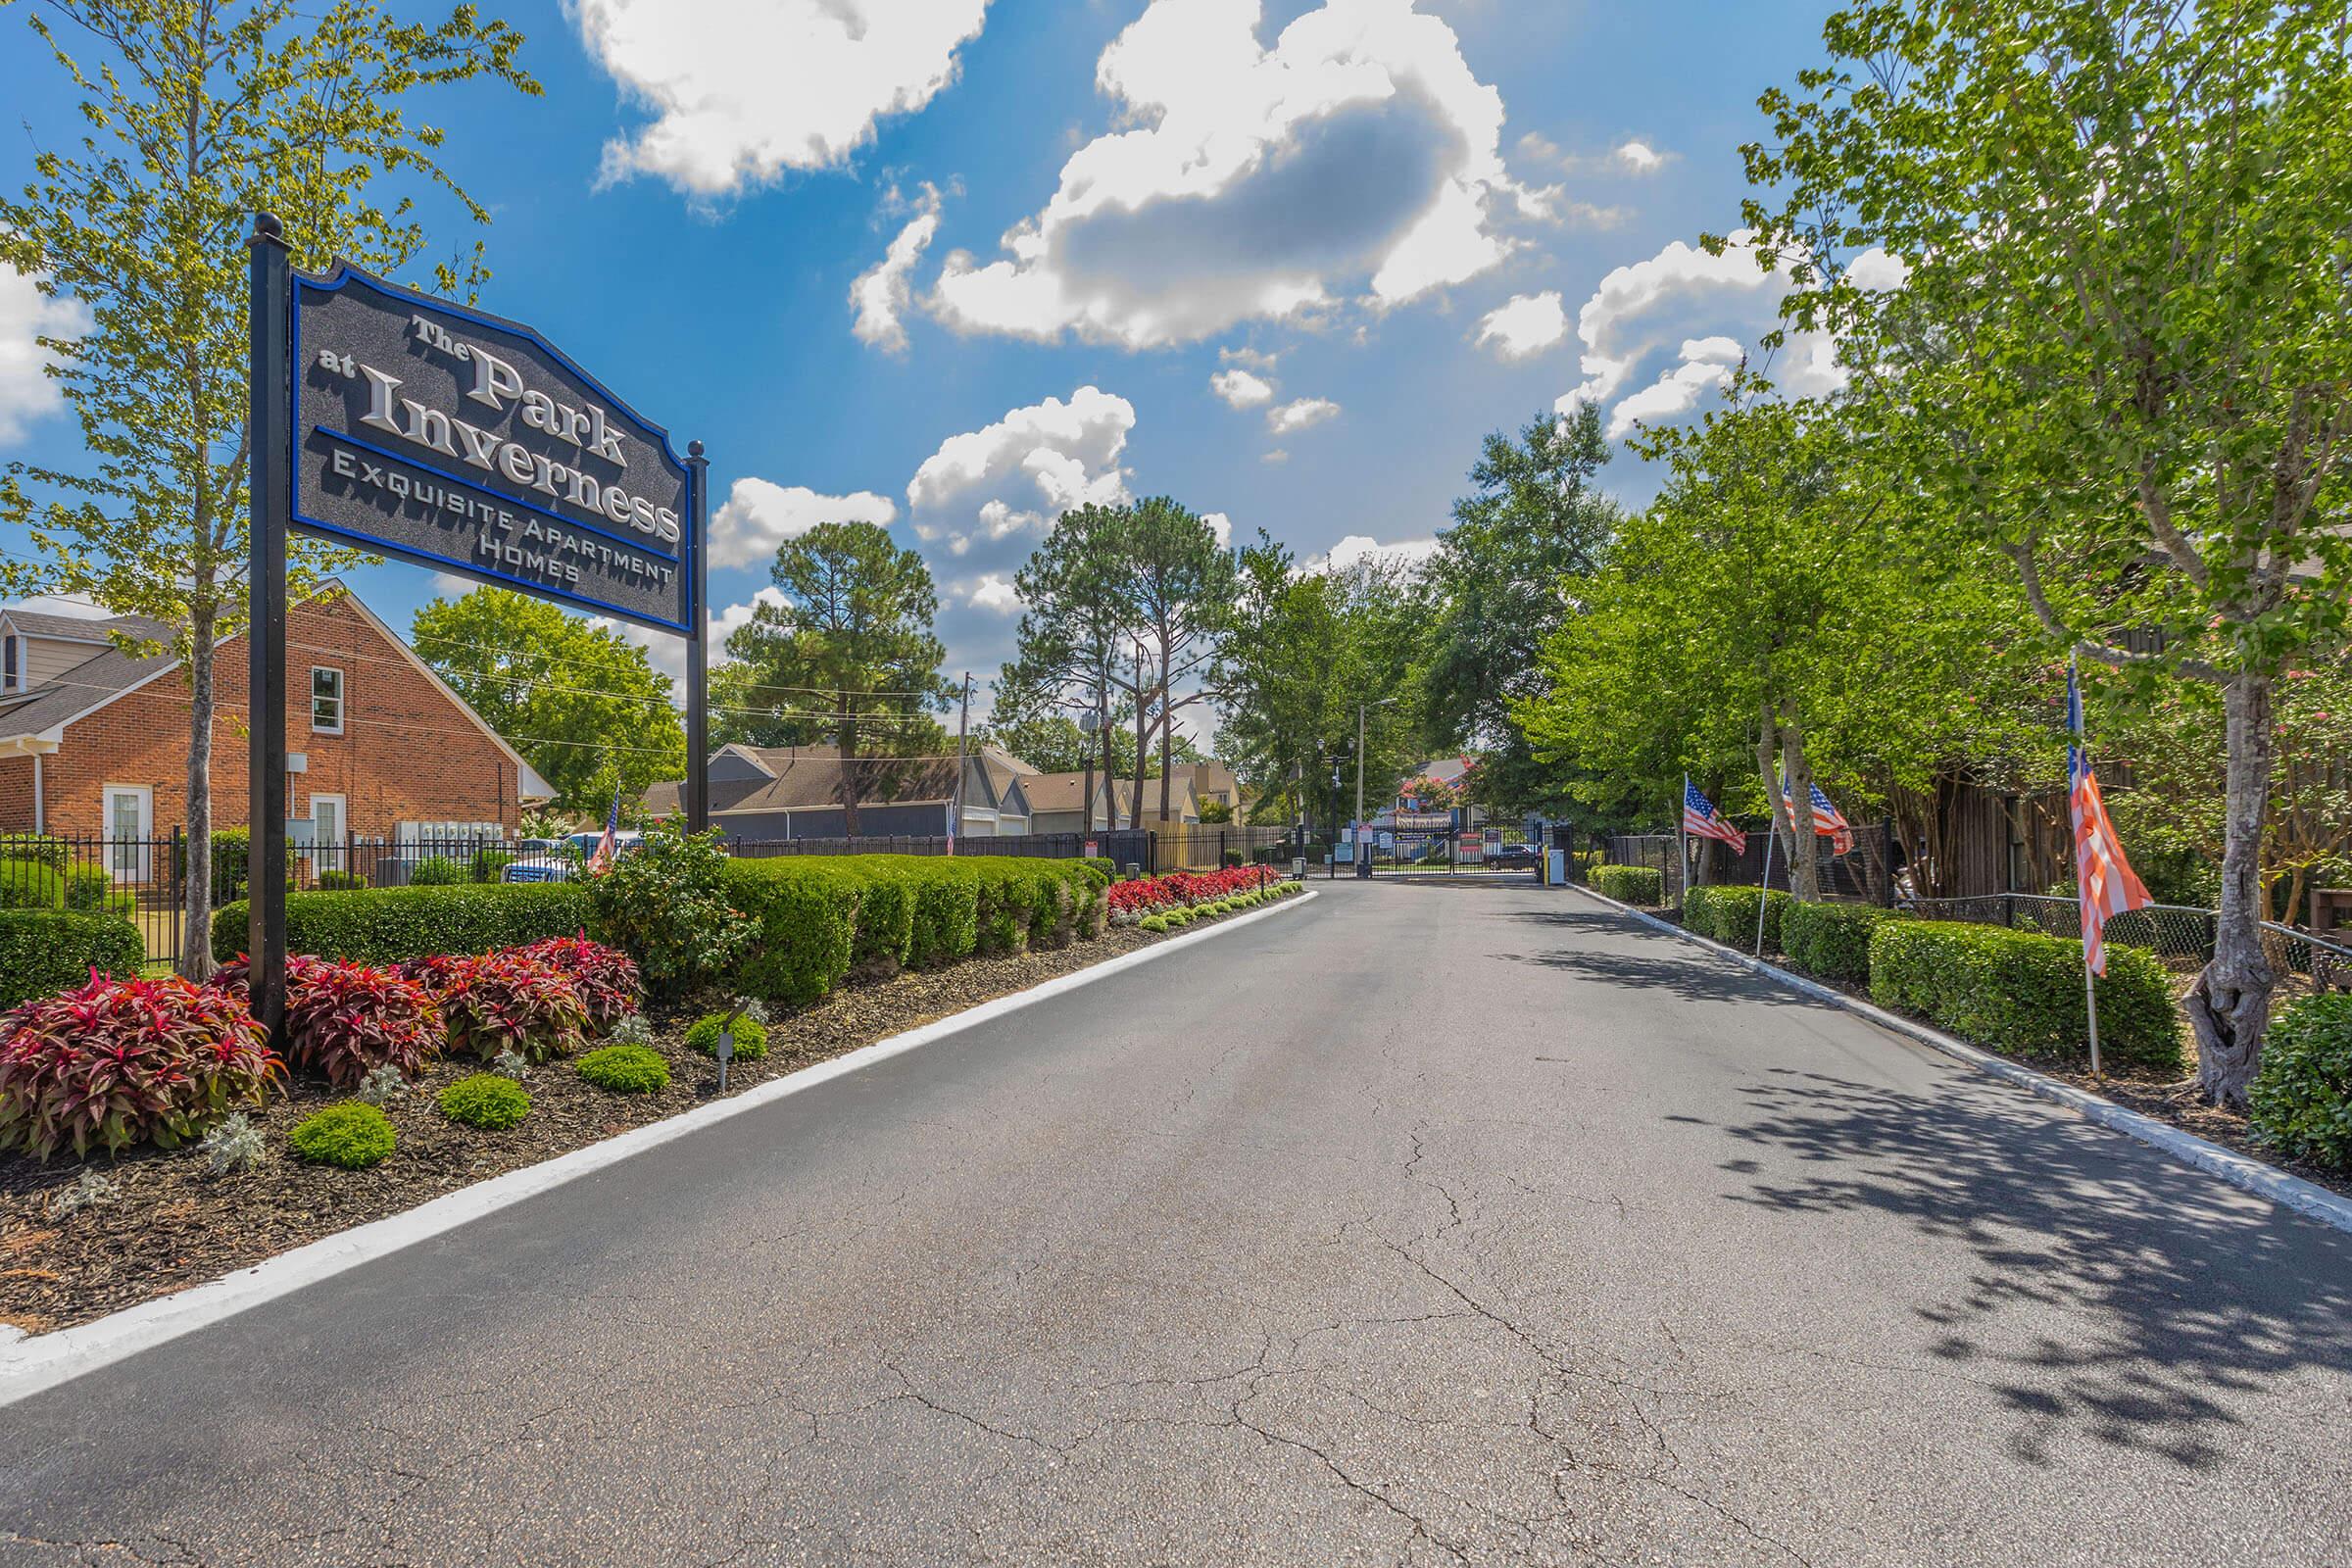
(196, 896)
(1166, 758)
(1143, 744)
(1804, 850)
(849, 774)
(2230, 1006)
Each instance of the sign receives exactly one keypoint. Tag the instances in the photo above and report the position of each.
(1092, 849)
(470, 444)
(1424, 820)
(1470, 849)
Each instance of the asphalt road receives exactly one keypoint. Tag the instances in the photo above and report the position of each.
(1422, 1224)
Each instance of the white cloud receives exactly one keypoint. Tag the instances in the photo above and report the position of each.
(1221, 525)
(758, 516)
(1528, 325)
(1637, 156)
(997, 593)
(1250, 182)
(1025, 470)
(1660, 334)
(27, 315)
(882, 292)
(57, 604)
(1241, 388)
(1300, 415)
(1248, 358)
(1278, 455)
(1357, 548)
(741, 90)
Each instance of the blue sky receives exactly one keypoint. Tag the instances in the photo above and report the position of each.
(1287, 263)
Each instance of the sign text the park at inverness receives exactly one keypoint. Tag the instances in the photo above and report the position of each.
(458, 440)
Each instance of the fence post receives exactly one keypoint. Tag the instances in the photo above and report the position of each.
(1887, 863)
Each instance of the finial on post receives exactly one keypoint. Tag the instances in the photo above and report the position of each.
(694, 449)
(266, 227)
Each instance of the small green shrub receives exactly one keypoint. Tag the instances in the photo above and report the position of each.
(350, 1135)
(751, 1036)
(392, 925)
(486, 1101)
(437, 871)
(1153, 923)
(625, 1069)
(2301, 1099)
(2021, 992)
(43, 952)
(1630, 884)
(489, 863)
(1833, 940)
(668, 903)
(1727, 914)
(804, 912)
(30, 885)
(331, 880)
(50, 851)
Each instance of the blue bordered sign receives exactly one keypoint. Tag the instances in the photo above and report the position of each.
(458, 440)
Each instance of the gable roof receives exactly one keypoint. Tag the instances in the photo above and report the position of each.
(1060, 792)
(80, 628)
(809, 777)
(111, 673)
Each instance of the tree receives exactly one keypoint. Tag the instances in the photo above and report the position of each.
(1073, 632)
(582, 703)
(852, 632)
(2126, 314)
(1182, 595)
(1304, 651)
(199, 114)
(1532, 519)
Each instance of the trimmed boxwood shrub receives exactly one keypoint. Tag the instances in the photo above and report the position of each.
(805, 908)
(2021, 992)
(351, 1134)
(486, 1101)
(391, 925)
(1833, 940)
(1727, 914)
(2301, 1099)
(751, 1036)
(1630, 884)
(32, 885)
(43, 952)
(625, 1069)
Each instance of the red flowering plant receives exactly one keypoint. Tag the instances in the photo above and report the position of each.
(507, 1002)
(437, 972)
(605, 977)
(1133, 900)
(344, 1020)
(119, 1062)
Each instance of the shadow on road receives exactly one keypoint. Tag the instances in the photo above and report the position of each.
(1663, 963)
(2192, 1302)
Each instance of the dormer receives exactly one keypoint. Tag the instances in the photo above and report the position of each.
(36, 647)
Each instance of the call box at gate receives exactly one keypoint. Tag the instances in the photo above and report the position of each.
(462, 441)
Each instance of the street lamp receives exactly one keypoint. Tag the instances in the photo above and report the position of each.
(1360, 707)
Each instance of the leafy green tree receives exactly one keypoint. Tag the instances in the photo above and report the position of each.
(1071, 656)
(2129, 319)
(198, 113)
(851, 637)
(1181, 593)
(1532, 518)
(583, 702)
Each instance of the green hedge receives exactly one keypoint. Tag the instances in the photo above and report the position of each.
(384, 925)
(50, 851)
(822, 918)
(1831, 940)
(2020, 993)
(2301, 1101)
(1630, 884)
(43, 952)
(1727, 914)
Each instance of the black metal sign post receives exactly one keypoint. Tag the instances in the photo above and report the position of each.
(403, 425)
(269, 449)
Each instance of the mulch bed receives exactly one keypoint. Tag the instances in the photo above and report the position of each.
(171, 1223)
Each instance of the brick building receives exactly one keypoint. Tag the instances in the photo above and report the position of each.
(94, 738)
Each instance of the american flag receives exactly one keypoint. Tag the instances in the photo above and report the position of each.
(1699, 816)
(2104, 880)
(601, 860)
(1829, 823)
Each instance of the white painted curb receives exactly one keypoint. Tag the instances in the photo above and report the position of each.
(28, 1365)
(2251, 1175)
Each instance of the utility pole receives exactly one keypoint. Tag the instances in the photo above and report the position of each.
(962, 722)
(1386, 702)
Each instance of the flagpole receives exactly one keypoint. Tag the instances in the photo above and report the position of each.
(1764, 896)
(2080, 726)
(1682, 837)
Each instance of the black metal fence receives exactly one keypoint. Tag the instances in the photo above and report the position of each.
(2180, 936)
(144, 880)
(1867, 871)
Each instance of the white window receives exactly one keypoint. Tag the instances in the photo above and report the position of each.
(326, 701)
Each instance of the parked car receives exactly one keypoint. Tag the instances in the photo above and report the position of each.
(561, 859)
(1515, 856)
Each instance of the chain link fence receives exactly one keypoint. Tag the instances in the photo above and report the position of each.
(2180, 936)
